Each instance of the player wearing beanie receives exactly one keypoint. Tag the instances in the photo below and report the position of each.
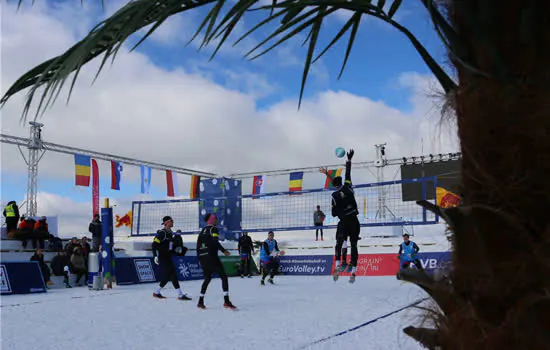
(208, 246)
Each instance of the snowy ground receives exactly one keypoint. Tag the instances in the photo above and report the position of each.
(295, 312)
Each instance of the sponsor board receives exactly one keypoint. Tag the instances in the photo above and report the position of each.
(305, 265)
(22, 277)
(5, 286)
(188, 268)
(144, 269)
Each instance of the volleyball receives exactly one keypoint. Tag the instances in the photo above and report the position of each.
(340, 152)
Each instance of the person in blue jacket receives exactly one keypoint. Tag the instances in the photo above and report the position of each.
(269, 257)
(408, 252)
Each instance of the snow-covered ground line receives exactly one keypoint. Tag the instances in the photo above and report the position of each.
(295, 312)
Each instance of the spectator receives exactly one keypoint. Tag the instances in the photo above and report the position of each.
(61, 265)
(95, 229)
(39, 257)
(11, 213)
(318, 218)
(69, 248)
(24, 231)
(85, 248)
(40, 232)
(78, 264)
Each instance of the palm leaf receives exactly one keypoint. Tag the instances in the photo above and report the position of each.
(295, 16)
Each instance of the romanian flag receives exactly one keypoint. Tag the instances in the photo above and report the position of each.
(195, 185)
(295, 181)
(82, 170)
(331, 174)
(446, 199)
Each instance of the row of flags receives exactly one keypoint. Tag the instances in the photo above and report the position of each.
(295, 181)
(83, 175)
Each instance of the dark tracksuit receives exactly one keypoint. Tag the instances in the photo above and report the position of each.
(208, 246)
(246, 249)
(344, 207)
(163, 248)
(318, 217)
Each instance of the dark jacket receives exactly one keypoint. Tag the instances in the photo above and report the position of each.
(163, 244)
(208, 243)
(95, 229)
(343, 199)
(245, 245)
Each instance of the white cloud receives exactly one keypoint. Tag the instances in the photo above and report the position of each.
(180, 117)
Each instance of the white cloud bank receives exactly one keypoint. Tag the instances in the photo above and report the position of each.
(138, 109)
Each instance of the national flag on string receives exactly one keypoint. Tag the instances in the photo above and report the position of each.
(446, 199)
(171, 183)
(295, 181)
(258, 186)
(331, 174)
(195, 187)
(145, 179)
(116, 172)
(82, 170)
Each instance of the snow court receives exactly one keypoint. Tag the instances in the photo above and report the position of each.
(297, 310)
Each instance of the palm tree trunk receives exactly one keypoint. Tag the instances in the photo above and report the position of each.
(501, 257)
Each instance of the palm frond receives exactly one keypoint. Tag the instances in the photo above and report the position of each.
(289, 17)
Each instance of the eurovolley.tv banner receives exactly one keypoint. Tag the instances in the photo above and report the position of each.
(306, 265)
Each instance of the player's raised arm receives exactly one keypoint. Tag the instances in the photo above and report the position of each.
(348, 167)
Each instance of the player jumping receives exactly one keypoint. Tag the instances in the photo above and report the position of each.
(344, 207)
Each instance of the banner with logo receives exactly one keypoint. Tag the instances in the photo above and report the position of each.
(144, 270)
(21, 278)
(306, 265)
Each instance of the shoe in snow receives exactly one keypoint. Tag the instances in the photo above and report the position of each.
(229, 305)
(335, 275)
(158, 296)
(262, 282)
(201, 306)
(184, 297)
(270, 281)
(352, 278)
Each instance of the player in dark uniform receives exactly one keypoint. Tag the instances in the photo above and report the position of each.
(208, 246)
(163, 250)
(246, 249)
(344, 207)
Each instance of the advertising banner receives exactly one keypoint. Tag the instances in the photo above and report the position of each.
(306, 265)
(21, 278)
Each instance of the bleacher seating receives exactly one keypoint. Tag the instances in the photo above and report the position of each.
(12, 250)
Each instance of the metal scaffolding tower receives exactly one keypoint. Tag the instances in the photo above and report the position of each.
(37, 148)
(380, 163)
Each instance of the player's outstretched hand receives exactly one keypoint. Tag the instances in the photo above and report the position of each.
(323, 170)
(282, 252)
(227, 253)
(350, 154)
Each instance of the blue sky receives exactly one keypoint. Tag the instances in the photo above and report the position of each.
(148, 92)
